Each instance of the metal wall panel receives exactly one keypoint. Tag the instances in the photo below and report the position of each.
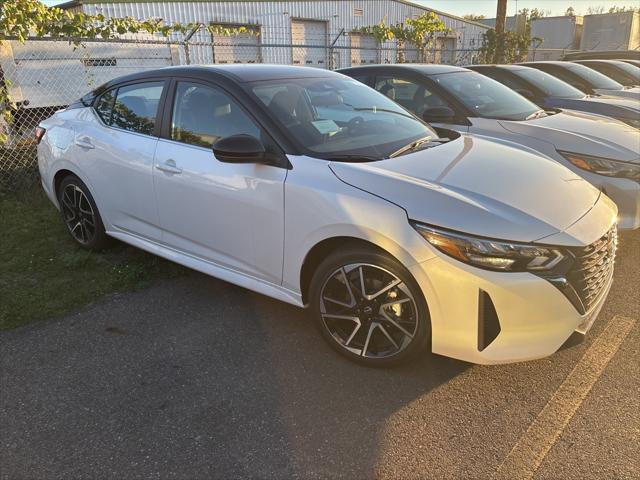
(557, 32)
(275, 20)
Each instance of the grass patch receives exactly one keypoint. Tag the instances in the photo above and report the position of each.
(44, 274)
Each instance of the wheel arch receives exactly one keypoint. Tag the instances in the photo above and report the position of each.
(325, 247)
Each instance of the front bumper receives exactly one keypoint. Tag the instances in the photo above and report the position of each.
(535, 318)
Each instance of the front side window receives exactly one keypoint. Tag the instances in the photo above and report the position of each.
(136, 107)
(614, 72)
(339, 117)
(104, 105)
(411, 95)
(485, 97)
(202, 115)
(548, 84)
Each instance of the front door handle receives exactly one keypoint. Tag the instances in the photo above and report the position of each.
(169, 167)
(84, 142)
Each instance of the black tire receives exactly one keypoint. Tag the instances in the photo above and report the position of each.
(80, 214)
(405, 319)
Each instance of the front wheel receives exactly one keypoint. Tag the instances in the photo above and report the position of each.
(369, 308)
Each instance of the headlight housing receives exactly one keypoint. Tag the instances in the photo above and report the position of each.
(604, 166)
(488, 254)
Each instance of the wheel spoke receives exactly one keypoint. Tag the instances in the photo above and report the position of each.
(394, 283)
(386, 334)
(372, 327)
(395, 324)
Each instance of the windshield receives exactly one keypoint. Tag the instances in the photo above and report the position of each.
(340, 118)
(595, 79)
(486, 97)
(632, 70)
(548, 84)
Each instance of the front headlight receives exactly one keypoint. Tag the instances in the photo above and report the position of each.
(491, 254)
(604, 166)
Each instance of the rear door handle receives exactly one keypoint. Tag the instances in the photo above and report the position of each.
(169, 167)
(84, 142)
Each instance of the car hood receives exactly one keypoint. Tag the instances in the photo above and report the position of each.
(627, 92)
(602, 104)
(479, 187)
(579, 132)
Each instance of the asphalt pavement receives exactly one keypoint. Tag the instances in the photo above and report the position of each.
(195, 378)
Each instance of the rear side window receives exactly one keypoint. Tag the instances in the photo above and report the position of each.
(136, 107)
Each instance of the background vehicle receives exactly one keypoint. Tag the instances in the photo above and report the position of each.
(548, 91)
(585, 79)
(392, 235)
(630, 62)
(623, 73)
(603, 54)
(460, 99)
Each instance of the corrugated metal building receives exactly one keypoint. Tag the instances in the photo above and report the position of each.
(309, 27)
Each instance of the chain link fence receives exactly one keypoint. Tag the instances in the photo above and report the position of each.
(43, 76)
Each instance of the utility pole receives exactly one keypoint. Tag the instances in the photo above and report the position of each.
(501, 20)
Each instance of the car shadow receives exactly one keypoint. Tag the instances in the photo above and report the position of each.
(195, 378)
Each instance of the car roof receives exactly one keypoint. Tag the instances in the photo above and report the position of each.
(238, 73)
(503, 67)
(424, 68)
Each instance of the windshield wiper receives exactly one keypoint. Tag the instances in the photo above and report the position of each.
(415, 145)
(376, 109)
(537, 114)
(352, 158)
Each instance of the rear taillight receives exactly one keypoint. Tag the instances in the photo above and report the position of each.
(40, 133)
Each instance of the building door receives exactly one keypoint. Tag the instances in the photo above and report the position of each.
(364, 49)
(237, 48)
(309, 39)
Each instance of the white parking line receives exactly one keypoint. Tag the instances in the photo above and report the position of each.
(527, 454)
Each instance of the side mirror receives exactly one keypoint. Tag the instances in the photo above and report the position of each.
(438, 115)
(240, 149)
(525, 93)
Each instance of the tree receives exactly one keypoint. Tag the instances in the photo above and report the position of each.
(23, 18)
(595, 10)
(616, 9)
(473, 17)
(570, 12)
(419, 31)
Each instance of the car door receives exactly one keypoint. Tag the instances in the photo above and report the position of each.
(416, 95)
(115, 145)
(226, 213)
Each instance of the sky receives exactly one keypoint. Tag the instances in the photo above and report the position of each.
(488, 7)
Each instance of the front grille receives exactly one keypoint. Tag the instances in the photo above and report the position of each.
(591, 271)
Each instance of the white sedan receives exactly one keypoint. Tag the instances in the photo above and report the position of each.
(395, 237)
(603, 151)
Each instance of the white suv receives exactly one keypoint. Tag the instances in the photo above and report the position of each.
(314, 189)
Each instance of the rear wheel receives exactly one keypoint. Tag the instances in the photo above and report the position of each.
(369, 308)
(80, 214)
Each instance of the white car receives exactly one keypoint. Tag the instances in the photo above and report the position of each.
(602, 150)
(394, 237)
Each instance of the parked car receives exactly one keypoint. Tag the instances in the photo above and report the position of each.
(630, 62)
(396, 237)
(585, 79)
(603, 54)
(601, 150)
(548, 91)
(622, 72)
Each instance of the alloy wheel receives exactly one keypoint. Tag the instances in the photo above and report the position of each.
(78, 214)
(368, 310)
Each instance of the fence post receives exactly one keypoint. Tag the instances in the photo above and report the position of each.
(186, 42)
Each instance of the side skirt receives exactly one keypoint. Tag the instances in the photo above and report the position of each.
(196, 263)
